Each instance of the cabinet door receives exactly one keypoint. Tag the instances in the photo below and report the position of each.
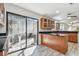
(53, 24)
(58, 43)
(49, 24)
(1, 53)
(46, 24)
(43, 23)
(72, 37)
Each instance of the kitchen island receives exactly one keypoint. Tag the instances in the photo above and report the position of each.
(58, 40)
(72, 35)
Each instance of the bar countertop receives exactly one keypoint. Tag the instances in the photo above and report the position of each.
(58, 31)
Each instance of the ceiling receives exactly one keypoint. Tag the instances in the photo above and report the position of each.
(58, 11)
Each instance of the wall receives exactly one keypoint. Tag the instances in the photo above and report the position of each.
(64, 27)
(18, 10)
(2, 20)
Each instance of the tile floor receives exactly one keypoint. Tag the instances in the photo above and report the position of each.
(73, 50)
(39, 50)
(25, 52)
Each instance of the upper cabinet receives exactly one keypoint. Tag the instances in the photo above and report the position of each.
(47, 24)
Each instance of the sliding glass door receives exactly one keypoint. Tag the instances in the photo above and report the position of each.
(35, 26)
(16, 32)
(31, 32)
(22, 32)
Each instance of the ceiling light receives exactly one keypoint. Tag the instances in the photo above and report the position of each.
(59, 17)
(57, 11)
(68, 17)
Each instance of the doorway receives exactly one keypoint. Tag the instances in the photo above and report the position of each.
(32, 32)
(22, 32)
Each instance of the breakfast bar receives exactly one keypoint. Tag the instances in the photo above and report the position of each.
(58, 40)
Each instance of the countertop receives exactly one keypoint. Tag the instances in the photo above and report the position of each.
(58, 31)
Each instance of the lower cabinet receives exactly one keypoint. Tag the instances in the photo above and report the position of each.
(59, 43)
(3, 53)
(72, 37)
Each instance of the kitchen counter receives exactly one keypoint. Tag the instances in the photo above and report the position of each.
(58, 31)
(58, 40)
(58, 43)
(72, 35)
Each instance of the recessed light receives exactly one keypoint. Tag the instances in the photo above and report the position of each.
(57, 11)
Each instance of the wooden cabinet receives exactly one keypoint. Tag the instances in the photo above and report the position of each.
(46, 24)
(53, 24)
(3, 53)
(72, 37)
(59, 43)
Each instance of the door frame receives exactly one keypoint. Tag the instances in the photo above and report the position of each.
(37, 28)
(26, 27)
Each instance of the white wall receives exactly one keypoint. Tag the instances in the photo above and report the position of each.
(18, 10)
(2, 18)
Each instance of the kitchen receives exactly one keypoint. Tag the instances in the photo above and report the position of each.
(48, 28)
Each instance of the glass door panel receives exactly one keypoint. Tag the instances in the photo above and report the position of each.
(31, 32)
(16, 32)
(35, 31)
